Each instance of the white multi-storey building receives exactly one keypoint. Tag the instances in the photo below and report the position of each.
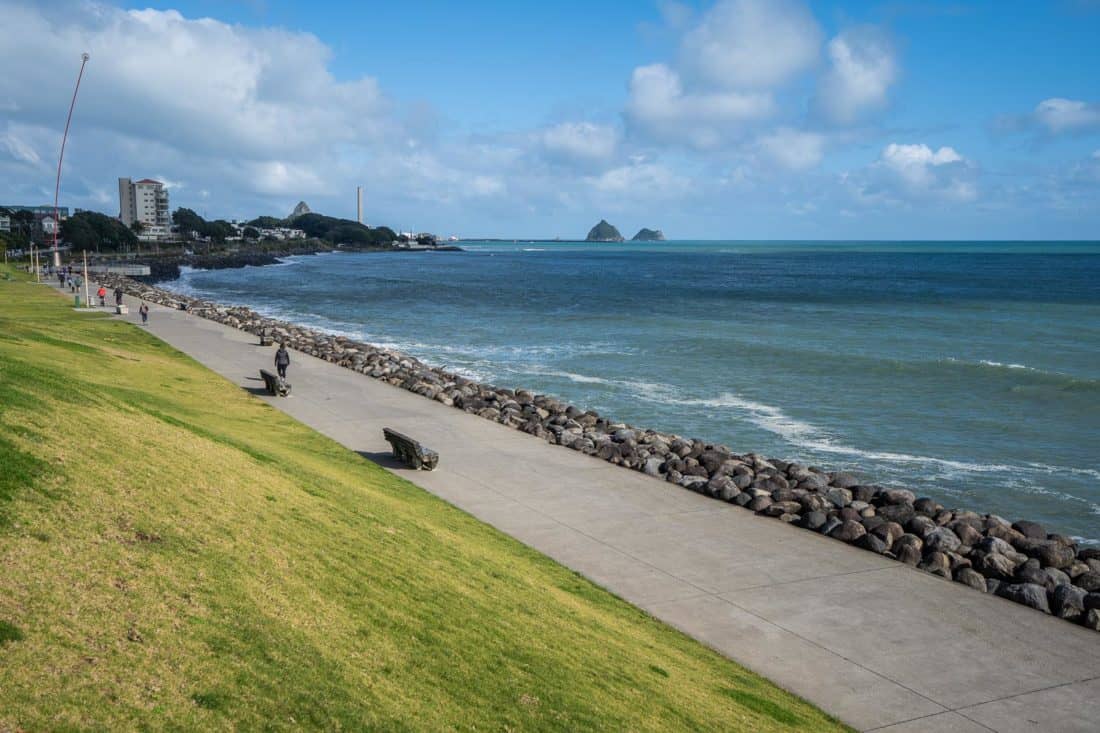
(145, 201)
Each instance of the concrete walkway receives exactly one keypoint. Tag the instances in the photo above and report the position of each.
(876, 643)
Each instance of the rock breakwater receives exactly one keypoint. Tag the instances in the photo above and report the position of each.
(1020, 561)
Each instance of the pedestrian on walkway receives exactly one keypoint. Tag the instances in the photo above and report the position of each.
(102, 293)
(282, 360)
(144, 311)
(118, 296)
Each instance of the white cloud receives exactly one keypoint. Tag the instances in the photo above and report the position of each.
(794, 149)
(253, 111)
(861, 69)
(641, 179)
(580, 141)
(917, 171)
(915, 163)
(752, 43)
(660, 107)
(1067, 115)
(18, 148)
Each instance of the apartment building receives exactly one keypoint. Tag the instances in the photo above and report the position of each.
(145, 201)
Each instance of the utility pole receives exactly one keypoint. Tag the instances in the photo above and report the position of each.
(57, 185)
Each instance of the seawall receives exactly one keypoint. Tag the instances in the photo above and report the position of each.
(1020, 560)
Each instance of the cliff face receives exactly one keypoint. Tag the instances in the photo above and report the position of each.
(648, 235)
(604, 232)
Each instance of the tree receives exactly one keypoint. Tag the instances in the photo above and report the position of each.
(188, 222)
(90, 230)
(267, 222)
(137, 227)
(250, 233)
(218, 230)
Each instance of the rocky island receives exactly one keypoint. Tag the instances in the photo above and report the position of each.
(604, 232)
(648, 235)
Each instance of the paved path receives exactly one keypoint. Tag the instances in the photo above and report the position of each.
(876, 643)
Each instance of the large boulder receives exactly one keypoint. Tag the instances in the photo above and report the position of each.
(1056, 555)
(839, 497)
(995, 544)
(971, 577)
(1068, 602)
(1029, 594)
(996, 565)
(1090, 581)
(942, 540)
(848, 531)
(936, 563)
(966, 533)
(896, 496)
(873, 543)
(814, 520)
(1031, 530)
(888, 532)
(900, 513)
(844, 480)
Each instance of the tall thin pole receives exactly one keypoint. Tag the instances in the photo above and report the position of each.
(86, 303)
(57, 186)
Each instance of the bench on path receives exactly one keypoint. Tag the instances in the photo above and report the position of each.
(410, 452)
(274, 384)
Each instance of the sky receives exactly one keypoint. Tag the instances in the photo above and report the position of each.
(712, 119)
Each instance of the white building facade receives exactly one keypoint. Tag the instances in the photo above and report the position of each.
(145, 201)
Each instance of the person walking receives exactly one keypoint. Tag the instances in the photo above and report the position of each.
(102, 293)
(282, 360)
(144, 311)
(118, 296)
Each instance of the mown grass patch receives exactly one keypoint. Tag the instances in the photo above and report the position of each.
(177, 554)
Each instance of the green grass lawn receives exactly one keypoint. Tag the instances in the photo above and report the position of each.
(174, 553)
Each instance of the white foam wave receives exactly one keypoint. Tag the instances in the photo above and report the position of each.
(810, 437)
(1006, 365)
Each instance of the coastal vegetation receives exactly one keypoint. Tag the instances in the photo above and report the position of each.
(94, 232)
(178, 554)
(342, 231)
(191, 225)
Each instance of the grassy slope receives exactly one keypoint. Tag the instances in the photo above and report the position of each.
(176, 554)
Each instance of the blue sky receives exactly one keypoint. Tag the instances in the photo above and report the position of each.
(729, 119)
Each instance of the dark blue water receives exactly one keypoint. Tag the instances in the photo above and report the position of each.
(967, 371)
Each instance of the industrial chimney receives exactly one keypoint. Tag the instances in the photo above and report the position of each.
(359, 204)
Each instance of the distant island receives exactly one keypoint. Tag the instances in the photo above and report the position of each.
(648, 235)
(604, 232)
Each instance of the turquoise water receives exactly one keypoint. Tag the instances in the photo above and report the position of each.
(967, 371)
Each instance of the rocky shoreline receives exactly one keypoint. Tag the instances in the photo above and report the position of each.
(1020, 560)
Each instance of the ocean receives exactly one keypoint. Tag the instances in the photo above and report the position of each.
(966, 371)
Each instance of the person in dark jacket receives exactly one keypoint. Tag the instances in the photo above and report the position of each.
(282, 360)
(118, 296)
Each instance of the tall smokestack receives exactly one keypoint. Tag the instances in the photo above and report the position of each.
(359, 204)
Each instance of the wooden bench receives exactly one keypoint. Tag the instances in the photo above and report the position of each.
(274, 384)
(410, 452)
(267, 337)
